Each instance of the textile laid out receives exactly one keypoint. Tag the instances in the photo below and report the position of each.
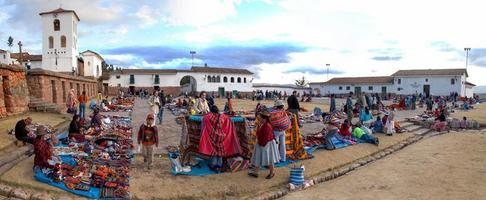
(218, 136)
(294, 141)
(97, 168)
(120, 105)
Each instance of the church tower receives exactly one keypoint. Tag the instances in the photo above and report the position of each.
(59, 40)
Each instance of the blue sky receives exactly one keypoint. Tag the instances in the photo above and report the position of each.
(278, 40)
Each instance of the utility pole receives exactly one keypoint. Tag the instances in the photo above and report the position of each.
(192, 55)
(328, 65)
(467, 49)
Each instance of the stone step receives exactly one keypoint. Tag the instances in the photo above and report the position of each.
(422, 131)
(413, 128)
(406, 124)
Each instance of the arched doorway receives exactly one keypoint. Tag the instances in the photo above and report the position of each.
(317, 91)
(188, 84)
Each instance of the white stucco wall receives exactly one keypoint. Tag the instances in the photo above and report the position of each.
(327, 89)
(439, 85)
(92, 65)
(5, 58)
(173, 80)
(66, 57)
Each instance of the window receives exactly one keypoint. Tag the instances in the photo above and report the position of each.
(117, 76)
(225, 79)
(209, 78)
(57, 25)
(348, 88)
(399, 89)
(453, 81)
(119, 85)
(214, 79)
(63, 41)
(239, 80)
(156, 79)
(244, 80)
(340, 87)
(89, 63)
(4, 57)
(399, 81)
(132, 79)
(426, 80)
(232, 79)
(98, 70)
(370, 88)
(218, 79)
(51, 42)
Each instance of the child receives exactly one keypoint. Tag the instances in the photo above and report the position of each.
(360, 134)
(463, 123)
(378, 125)
(345, 129)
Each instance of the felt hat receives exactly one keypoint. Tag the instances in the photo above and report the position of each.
(150, 116)
(278, 103)
(265, 113)
(335, 120)
(41, 130)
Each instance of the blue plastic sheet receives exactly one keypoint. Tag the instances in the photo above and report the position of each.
(198, 118)
(92, 193)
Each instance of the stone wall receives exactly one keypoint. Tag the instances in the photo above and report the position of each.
(14, 93)
(53, 87)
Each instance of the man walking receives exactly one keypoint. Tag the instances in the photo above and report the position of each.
(162, 105)
(293, 104)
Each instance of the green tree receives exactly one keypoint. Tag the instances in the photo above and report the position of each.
(301, 82)
(10, 42)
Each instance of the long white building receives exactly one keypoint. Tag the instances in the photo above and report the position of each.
(425, 81)
(219, 81)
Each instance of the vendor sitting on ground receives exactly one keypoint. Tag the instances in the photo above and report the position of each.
(365, 115)
(42, 149)
(440, 122)
(378, 125)
(345, 129)
(360, 134)
(331, 130)
(74, 130)
(265, 152)
(96, 118)
(22, 132)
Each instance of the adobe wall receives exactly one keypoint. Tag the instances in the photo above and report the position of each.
(14, 93)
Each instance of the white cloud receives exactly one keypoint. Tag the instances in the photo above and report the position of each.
(146, 15)
(197, 12)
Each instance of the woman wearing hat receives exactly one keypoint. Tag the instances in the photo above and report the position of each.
(148, 137)
(42, 149)
(280, 122)
(265, 152)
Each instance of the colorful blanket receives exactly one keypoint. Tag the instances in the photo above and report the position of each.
(218, 136)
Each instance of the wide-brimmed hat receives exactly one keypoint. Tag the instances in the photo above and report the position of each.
(41, 130)
(335, 120)
(265, 113)
(278, 103)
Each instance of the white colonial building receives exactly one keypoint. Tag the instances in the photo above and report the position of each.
(284, 88)
(219, 81)
(425, 81)
(5, 57)
(92, 63)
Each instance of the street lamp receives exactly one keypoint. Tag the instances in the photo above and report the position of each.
(192, 55)
(467, 49)
(328, 65)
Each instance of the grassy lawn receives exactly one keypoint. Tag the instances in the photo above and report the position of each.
(37, 117)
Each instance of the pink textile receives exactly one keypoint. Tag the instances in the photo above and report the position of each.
(218, 137)
(439, 126)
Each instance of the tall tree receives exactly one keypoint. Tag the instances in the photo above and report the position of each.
(10, 42)
(301, 82)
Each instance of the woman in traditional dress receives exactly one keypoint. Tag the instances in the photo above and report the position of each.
(154, 103)
(265, 152)
(202, 106)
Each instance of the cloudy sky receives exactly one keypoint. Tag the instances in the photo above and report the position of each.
(278, 40)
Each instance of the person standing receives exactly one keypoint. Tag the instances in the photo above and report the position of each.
(99, 98)
(148, 137)
(280, 122)
(349, 108)
(332, 107)
(265, 153)
(82, 104)
(22, 132)
(162, 105)
(154, 103)
(293, 105)
(71, 102)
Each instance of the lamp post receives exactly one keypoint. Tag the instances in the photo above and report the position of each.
(192, 55)
(328, 65)
(467, 49)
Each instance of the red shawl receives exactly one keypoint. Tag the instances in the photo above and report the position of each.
(218, 136)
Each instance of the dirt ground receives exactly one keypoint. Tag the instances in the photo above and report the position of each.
(37, 117)
(478, 113)
(450, 166)
(246, 105)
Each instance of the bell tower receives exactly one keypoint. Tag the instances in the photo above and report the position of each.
(59, 40)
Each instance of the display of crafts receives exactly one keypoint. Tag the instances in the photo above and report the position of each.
(97, 168)
(119, 105)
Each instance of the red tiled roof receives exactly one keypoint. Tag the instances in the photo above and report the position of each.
(360, 80)
(60, 10)
(469, 83)
(26, 56)
(145, 71)
(2, 51)
(220, 70)
(431, 72)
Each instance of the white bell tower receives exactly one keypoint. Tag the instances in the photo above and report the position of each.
(59, 40)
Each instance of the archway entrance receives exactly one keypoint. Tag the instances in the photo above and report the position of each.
(188, 85)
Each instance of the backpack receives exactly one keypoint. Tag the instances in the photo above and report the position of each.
(279, 120)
